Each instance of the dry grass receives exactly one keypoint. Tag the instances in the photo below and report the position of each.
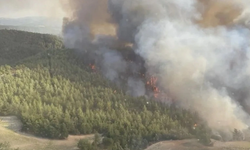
(9, 127)
(195, 145)
(28, 142)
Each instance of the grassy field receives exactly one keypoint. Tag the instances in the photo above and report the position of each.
(28, 142)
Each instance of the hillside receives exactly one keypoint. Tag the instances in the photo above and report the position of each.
(17, 45)
(56, 95)
(27, 142)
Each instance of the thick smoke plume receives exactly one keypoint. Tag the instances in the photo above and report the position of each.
(197, 51)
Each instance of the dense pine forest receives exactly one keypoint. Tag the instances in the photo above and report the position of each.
(55, 94)
(17, 45)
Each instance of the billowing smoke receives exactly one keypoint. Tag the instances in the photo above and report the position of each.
(198, 52)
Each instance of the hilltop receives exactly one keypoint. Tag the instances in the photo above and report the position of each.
(55, 94)
(17, 45)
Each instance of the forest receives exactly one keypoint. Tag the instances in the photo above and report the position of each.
(55, 94)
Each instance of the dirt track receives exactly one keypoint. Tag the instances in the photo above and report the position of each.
(195, 145)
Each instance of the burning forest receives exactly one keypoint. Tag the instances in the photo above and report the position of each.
(192, 52)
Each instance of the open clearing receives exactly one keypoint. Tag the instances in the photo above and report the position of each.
(8, 133)
(195, 145)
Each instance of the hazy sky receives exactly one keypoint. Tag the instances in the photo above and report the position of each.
(24, 8)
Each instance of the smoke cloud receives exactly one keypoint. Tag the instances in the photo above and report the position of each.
(198, 51)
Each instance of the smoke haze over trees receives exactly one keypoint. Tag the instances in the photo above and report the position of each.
(197, 51)
(55, 94)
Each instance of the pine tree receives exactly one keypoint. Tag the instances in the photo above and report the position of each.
(64, 132)
(84, 144)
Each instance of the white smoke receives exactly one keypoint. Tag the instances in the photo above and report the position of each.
(136, 87)
(112, 64)
(206, 70)
(188, 58)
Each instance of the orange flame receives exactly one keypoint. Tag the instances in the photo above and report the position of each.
(153, 84)
(92, 66)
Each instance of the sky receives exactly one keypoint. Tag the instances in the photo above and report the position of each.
(26, 8)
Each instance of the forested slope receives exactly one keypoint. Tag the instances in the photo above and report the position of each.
(17, 45)
(54, 95)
